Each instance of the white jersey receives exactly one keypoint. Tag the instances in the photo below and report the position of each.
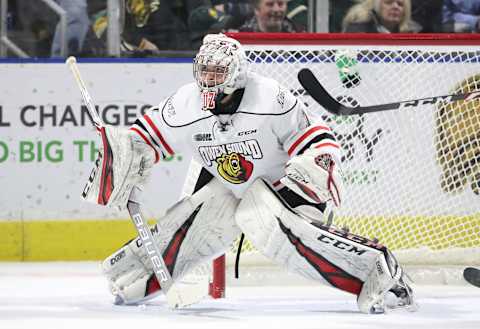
(269, 127)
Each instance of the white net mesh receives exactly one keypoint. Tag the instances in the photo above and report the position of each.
(412, 176)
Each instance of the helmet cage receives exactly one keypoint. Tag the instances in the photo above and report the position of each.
(220, 67)
(212, 74)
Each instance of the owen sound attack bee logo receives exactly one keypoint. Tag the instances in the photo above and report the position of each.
(234, 168)
(231, 159)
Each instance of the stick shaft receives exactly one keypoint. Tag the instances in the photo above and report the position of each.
(322, 97)
(160, 269)
(72, 65)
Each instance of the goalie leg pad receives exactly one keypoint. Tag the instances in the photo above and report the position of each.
(197, 229)
(317, 252)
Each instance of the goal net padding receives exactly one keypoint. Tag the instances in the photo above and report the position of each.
(412, 176)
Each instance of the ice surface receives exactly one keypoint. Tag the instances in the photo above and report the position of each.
(75, 295)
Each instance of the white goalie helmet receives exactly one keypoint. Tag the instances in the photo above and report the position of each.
(220, 66)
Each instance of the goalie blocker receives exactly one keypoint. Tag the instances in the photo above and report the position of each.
(215, 217)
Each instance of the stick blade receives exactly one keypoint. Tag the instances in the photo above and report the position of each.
(472, 276)
(315, 89)
(184, 293)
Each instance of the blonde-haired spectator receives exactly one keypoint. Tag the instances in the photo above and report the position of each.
(380, 16)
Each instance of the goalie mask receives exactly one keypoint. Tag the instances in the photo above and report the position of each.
(220, 68)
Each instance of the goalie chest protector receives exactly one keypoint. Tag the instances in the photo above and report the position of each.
(235, 148)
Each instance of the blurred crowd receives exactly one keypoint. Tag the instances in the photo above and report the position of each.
(151, 27)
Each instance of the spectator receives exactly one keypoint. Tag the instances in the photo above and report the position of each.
(151, 26)
(270, 16)
(238, 11)
(338, 8)
(380, 16)
(297, 12)
(77, 27)
(34, 27)
(428, 13)
(461, 16)
(208, 19)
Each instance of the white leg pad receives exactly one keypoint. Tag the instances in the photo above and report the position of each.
(321, 253)
(195, 230)
(261, 215)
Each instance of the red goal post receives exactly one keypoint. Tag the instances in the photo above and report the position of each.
(376, 39)
(412, 176)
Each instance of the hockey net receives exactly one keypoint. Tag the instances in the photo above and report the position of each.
(413, 175)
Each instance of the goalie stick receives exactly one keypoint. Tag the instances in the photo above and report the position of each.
(321, 96)
(472, 276)
(175, 298)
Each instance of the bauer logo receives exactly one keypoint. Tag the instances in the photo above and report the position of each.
(153, 230)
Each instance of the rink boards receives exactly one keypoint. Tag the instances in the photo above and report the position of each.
(48, 145)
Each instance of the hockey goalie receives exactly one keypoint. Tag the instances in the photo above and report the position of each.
(269, 166)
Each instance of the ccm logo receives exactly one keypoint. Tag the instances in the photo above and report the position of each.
(117, 257)
(351, 237)
(340, 245)
(91, 178)
(248, 132)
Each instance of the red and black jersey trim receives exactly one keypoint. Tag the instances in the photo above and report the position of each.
(146, 128)
(145, 139)
(317, 139)
(311, 136)
(141, 131)
(141, 125)
(155, 129)
(329, 271)
(171, 252)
